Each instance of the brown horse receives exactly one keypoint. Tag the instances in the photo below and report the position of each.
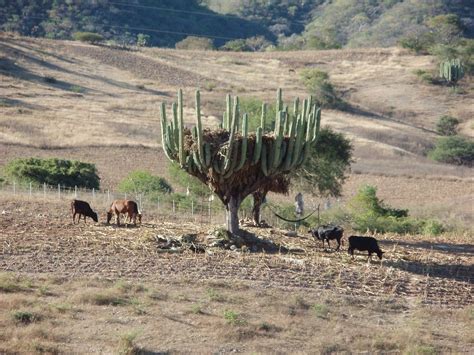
(127, 207)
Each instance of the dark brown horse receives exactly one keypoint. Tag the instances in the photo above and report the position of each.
(127, 207)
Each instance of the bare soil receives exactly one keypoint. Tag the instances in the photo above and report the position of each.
(70, 267)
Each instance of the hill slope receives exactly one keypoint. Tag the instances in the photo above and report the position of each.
(166, 21)
(288, 23)
(70, 100)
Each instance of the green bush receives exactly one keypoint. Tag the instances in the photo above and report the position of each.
(419, 43)
(53, 171)
(193, 42)
(88, 37)
(140, 181)
(236, 45)
(368, 212)
(253, 107)
(433, 227)
(180, 177)
(447, 125)
(318, 85)
(454, 150)
(143, 40)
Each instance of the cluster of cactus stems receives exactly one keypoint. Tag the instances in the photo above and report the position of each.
(451, 70)
(277, 152)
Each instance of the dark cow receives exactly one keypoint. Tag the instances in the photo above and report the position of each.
(82, 208)
(364, 243)
(328, 232)
(127, 207)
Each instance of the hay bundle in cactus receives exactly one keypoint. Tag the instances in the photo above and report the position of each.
(234, 162)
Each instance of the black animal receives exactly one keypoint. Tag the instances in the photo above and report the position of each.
(364, 243)
(82, 208)
(328, 232)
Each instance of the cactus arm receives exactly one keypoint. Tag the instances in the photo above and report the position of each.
(207, 154)
(228, 160)
(164, 134)
(263, 160)
(298, 142)
(200, 140)
(258, 145)
(263, 117)
(181, 153)
(291, 144)
(174, 125)
(279, 104)
(279, 128)
(243, 147)
(228, 112)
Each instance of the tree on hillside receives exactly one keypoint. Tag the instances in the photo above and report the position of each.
(234, 163)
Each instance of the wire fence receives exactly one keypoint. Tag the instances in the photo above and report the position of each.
(174, 208)
(190, 208)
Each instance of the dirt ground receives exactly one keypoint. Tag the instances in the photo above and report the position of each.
(90, 287)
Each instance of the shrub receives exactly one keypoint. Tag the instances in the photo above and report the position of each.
(317, 83)
(142, 40)
(447, 125)
(193, 42)
(253, 107)
(233, 318)
(417, 43)
(433, 227)
(140, 181)
(53, 171)
(236, 45)
(425, 76)
(368, 212)
(88, 37)
(454, 150)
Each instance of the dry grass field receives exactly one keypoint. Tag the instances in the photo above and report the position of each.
(68, 288)
(95, 288)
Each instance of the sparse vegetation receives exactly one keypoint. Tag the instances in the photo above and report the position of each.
(25, 317)
(234, 318)
(127, 344)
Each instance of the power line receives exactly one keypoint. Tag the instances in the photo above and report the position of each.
(145, 29)
(188, 11)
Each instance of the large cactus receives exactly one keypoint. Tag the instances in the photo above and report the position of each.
(234, 162)
(451, 70)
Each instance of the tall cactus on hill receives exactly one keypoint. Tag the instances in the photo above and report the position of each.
(451, 70)
(234, 162)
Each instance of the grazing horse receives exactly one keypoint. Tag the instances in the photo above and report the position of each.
(82, 208)
(127, 207)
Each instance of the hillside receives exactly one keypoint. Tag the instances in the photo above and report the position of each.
(71, 100)
(288, 24)
(166, 21)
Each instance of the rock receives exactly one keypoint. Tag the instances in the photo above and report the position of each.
(233, 247)
(188, 238)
